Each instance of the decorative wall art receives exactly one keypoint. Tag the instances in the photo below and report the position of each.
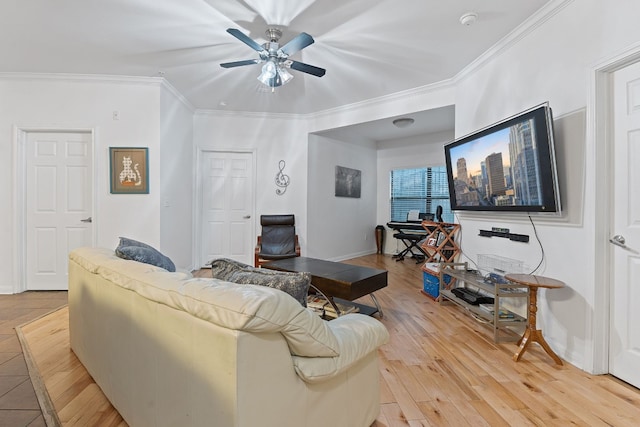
(348, 182)
(129, 170)
(282, 179)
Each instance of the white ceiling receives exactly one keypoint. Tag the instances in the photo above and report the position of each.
(436, 120)
(370, 48)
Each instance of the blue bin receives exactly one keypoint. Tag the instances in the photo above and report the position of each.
(431, 285)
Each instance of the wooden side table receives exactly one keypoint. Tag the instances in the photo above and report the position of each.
(532, 333)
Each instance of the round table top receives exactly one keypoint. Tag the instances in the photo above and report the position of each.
(534, 281)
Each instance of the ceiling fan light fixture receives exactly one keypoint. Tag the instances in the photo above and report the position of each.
(269, 70)
(403, 122)
(276, 60)
(266, 80)
(285, 76)
(274, 75)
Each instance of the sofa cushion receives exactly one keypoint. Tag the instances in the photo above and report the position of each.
(137, 251)
(258, 309)
(295, 284)
(358, 335)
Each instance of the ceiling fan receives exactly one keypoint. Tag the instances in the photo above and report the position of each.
(274, 71)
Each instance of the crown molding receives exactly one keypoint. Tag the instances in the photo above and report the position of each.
(379, 102)
(68, 77)
(372, 102)
(536, 20)
(249, 114)
(384, 100)
(179, 96)
(102, 78)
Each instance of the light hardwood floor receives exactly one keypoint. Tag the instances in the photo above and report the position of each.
(440, 368)
(18, 403)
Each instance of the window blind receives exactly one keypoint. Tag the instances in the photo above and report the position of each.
(421, 189)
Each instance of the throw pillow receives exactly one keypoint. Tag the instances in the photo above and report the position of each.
(223, 268)
(295, 284)
(137, 251)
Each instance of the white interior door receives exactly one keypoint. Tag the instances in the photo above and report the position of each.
(58, 204)
(227, 206)
(624, 345)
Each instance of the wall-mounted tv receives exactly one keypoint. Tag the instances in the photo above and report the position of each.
(508, 166)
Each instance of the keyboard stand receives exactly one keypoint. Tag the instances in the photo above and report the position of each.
(410, 241)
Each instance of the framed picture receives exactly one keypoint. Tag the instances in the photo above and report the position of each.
(129, 170)
(348, 182)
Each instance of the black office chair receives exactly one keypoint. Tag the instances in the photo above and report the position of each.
(278, 240)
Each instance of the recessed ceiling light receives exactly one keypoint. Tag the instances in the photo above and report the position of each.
(403, 122)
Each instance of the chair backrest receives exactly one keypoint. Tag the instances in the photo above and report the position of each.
(278, 234)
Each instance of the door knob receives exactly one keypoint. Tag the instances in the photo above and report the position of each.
(86, 220)
(247, 217)
(620, 241)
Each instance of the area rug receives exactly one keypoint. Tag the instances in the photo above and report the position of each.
(66, 392)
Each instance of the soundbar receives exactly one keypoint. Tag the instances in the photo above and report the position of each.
(511, 236)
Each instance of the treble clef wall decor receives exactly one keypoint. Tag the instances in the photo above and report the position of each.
(282, 179)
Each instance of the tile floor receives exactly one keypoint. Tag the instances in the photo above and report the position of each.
(18, 404)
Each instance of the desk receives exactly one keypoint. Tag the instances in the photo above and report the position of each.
(532, 333)
(336, 279)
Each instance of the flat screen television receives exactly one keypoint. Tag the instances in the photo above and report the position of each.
(508, 166)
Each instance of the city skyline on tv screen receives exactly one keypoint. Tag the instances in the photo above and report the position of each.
(500, 168)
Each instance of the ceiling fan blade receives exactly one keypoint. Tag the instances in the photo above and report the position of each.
(240, 63)
(245, 39)
(301, 41)
(309, 69)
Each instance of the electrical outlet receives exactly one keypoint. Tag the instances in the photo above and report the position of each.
(366, 236)
(116, 115)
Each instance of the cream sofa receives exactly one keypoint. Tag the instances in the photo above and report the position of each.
(168, 349)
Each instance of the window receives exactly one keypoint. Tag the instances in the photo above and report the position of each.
(421, 189)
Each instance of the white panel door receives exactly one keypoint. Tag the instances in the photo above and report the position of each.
(58, 202)
(227, 198)
(624, 345)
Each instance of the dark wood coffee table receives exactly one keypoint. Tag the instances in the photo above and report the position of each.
(337, 280)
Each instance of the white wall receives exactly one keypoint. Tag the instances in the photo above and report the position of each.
(552, 63)
(324, 232)
(273, 138)
(83, 103)
(340, 227)
(176, 179)
(415, 152)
